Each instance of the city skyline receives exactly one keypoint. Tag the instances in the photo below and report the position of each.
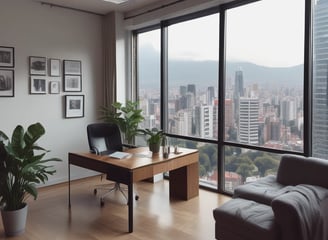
(278, 120)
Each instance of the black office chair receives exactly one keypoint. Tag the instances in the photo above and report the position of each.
(104, 139)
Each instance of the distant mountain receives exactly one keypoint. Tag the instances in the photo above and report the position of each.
(205, 73)
(267, 76)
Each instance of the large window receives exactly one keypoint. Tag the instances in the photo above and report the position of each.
(264, 78)
(264, 74)
(193, 55)
(148, 69)
(239, 101)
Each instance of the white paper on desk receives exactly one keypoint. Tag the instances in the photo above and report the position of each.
(143, 154)
(119, 155)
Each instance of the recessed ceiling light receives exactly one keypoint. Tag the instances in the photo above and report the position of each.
(116, 1)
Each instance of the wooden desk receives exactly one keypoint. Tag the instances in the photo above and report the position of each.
(182, 167)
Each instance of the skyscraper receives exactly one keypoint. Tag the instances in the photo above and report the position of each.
(191, 88)
(237, 93)
(249, 120)
(206, 120)
(287, 110)
(239, 83)
(320, 80)
(210, 95)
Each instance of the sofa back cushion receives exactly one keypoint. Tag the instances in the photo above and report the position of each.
(294, 170)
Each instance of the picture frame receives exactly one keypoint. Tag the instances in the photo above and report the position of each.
(72, 67)
(72, 83)
(7, 57)
(54, 67)
(74, 106)
(38, 85)
(37, 65)
(54, 87)
(7, 83)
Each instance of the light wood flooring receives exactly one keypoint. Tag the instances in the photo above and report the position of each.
(156, 217)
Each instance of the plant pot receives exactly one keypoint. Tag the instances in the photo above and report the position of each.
(14, 221)
(154, 147)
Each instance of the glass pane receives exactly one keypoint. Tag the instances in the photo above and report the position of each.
(148, 69)
(193, 49)
(320, 80)
(244, 165)
(264, 74)
(208, 160)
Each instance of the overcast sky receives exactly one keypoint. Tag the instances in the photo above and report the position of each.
(268, 33)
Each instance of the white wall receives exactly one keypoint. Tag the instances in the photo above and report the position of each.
(39, 30)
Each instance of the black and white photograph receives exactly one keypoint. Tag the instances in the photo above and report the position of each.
(54, 87)
(74, 105)
(54, 67)
(38, 85)
(38, 65)
(72, 83)
(7, 57)
(72, 67)
(6, 83)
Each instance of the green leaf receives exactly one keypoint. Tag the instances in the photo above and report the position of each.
(29, 188)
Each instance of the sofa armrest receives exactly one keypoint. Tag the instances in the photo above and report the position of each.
(298, 213)
(286, 217)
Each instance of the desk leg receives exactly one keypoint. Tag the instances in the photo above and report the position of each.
(130, 203)
(184, 182)
(69, 184)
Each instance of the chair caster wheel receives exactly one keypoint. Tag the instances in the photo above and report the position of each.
(136, 197)
(95, 191)
(102, 203)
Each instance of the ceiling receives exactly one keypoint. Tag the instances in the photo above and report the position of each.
(102, 7)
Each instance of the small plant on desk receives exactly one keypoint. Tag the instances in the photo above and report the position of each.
(155, 138)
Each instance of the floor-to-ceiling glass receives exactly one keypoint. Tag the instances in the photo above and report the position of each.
(264, 104)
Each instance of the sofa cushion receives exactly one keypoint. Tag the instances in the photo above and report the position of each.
(262, 190)
(294, 170)
(240, 219)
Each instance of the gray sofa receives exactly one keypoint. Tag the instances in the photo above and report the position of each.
(290, 206)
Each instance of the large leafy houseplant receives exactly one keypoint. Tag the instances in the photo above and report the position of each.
(22, 166)
(126, 117)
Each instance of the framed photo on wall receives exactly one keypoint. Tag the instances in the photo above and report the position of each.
(38, 85)
(7, 57)
(38, 65)
(54, 67)
(54, 87)
(72, 67)
(74, 106)
(72, 83)
(7, 83)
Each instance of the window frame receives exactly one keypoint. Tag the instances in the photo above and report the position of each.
(221, 142)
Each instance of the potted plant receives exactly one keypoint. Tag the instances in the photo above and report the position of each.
(21, 167)
(126, 117)
(155, 138)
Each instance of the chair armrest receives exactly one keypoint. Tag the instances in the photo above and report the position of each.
(129, 145)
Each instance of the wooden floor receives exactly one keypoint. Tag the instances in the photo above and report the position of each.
(155, 216)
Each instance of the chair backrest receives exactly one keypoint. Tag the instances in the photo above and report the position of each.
(104, 138)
